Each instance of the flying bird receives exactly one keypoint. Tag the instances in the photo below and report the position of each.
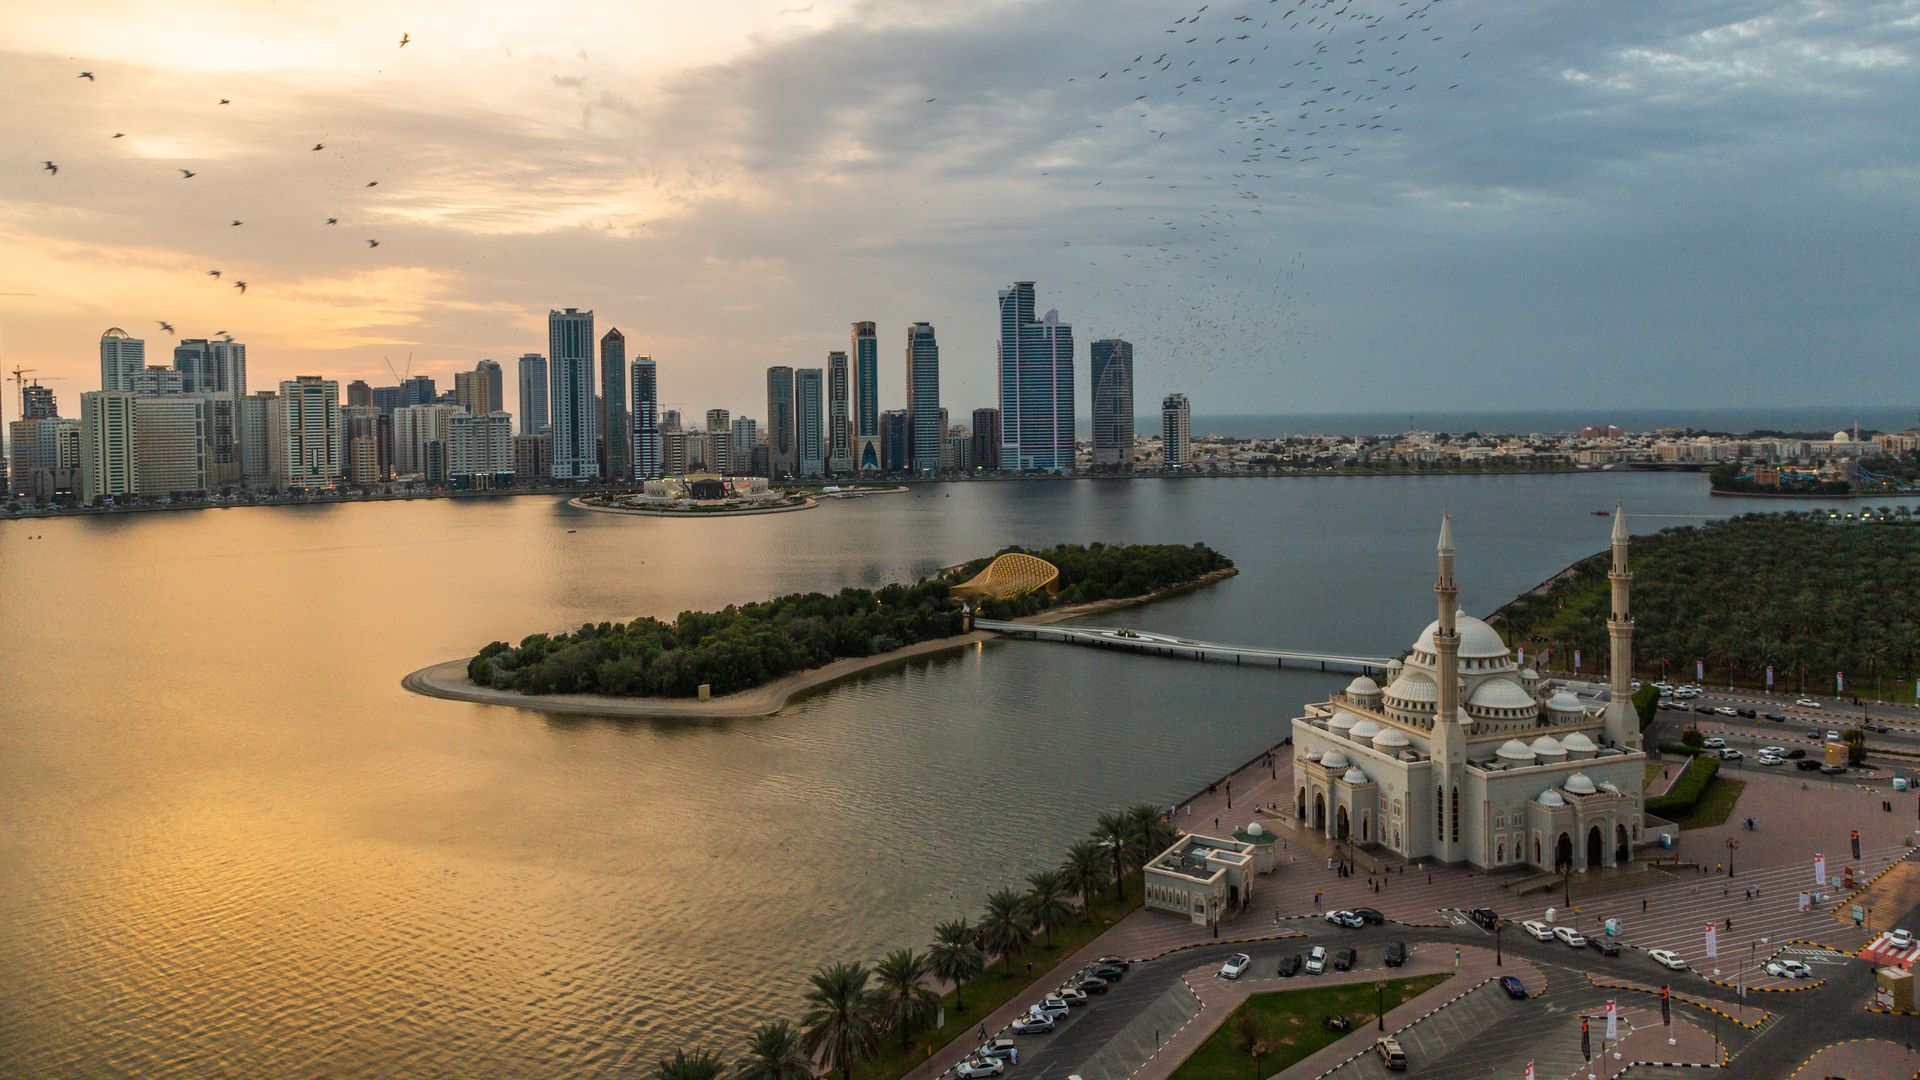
(238, 222)
(242, 286)
(119, 134)
(403, 40)
(319, 146)
(87, 75)
(373, 183)
(225, 101)
(187, 174)
(373, 243)
(167, 326)
(931, 100)
(333, 221)
(221, 333)
(213, 273)
(50, 167)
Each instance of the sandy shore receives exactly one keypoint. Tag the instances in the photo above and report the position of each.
(449, 680)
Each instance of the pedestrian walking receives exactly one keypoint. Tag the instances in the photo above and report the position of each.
(1643, 905)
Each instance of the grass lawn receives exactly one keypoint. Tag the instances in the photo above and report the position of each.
(996, 987)
(1715, 804)
(1288, 1022)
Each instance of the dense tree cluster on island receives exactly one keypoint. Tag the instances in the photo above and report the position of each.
(744, 646)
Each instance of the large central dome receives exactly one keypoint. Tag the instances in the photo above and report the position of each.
(1478, 641)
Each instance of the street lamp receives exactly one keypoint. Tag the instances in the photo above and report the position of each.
(1498, 925)
(1380, 1004)
(1731, 844)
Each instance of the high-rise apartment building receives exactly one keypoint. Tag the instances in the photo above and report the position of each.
(1112, 379)
(156, 381)
(467, 391)
(575, 427)
(212, 367)
(303, 435)
(745, 432)
(256, 461)
(107, 467)
(416, 430)
(534, 416)
(925, 431)
(122, 356)
(895, 443)
(532, 459)
(674, 457)
(169, 445)
(719, 442)
(360, 427)
(1176, 422)
(783, 459)
(616, 421)
(1036, 385)
(808, 423)
(359, 393)
(839, 422)
(38, 403)
(480, 449)
(866, 397)
(493, 382)
(418, 390)
(986, 440)
(647, 462)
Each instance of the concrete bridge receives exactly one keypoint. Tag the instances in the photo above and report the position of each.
(1184, 648)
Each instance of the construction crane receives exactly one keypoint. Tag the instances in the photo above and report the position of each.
(398, 378)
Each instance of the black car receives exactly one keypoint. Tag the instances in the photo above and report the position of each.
(1369, 916)
(1833, 770)
(1807, 764)
(1290, 966)
(1120, 962)
(1515, 989)
(1796, 754)
(1603, 946)
(1484, 917)
(1396, 953)
(1776, 718)
(1345, 959)
(1090, 985)
(1338, 1022)
(1750, 714)
(1109, 972)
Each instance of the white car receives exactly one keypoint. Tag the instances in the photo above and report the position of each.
(1072, 995)
(1317, 960)
(1569, 936)
(1807, 703)
(976, 1067)
(1772, 759)
(1540, 931)
(1032, 1024)
(1235, 964)
(1724, 710)
(1345, 918)
(1773, 751)
(1686, 692)
(1728, 753)
(1715, 744)
(1900, 939)
(1789, 969)
(1833, 736)
(1051, 1007)
(1667, 958)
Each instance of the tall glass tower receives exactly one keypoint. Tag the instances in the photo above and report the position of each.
(924, 432)
(1112, 404)
(1036, 385)
(809, 431)
(616, 424)
(575, 427)
(782, 461)
(533, 394)
(122, 356)
(839, 425)
(866, 397)
(646, 420)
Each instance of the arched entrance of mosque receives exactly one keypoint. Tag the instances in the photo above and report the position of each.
(1596, 848)
(1301, 805)
(1622, 848)
(1320, 811)
(1341, 824)
(1563, 852)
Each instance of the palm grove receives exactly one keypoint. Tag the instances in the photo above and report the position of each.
(1801, 592)
(869, 1015)
(740, 647)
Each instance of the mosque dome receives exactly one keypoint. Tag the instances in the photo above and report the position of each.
(1580, 784)
(1413, 686)
(1363, 687)
(1501, 694)
(1578, 743)
(1342, 720)
(1515, 751)
(1391, 739)
(1550, 797)
(1367, 728)
(1478, 641)
(1529, 676)
(1354, 776)
(1548, 746)
(1335, 760)
(1565, 702)
(1256, 829)
(1842, 437)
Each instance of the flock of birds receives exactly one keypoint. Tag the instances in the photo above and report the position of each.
(52, 169)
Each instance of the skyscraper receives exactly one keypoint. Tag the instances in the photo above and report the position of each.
(1176, 421)
(416, 430)
(467, 391)
(1036, 385)
(122, 356)
(986, 439)
(359, 392)
(646, 420)
(719, 442)
(493, 381)
(895, 441)
(418, 390)
(866, 397)
(782, 457)
(616, 425)
(839, 424)
(169, 445)
(809, 429)
(1112, 404)
(533, 394)
(570, 358)
(480, 449)
(925, 433)
(303, 434)
(107, 466)
(256, 462)
(740, 451)
(37, 403)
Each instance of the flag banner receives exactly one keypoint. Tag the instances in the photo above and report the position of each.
(1769, 676)
(1666, 1006)
(1713, 949)
(1856, 843)
(1586, 1041)
(1529, 1070)
(1523, 663)
(1699, 671)
(1613, 1022)
(1819, 869)
(1803, 901)
(1576, 659)
(1839, 682)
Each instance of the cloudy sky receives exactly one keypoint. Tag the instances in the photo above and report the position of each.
(1364, 206)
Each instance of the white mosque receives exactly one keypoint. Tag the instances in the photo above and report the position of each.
(1464, 758)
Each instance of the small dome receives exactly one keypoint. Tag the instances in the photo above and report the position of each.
(1548, 746)
(1367, 728)
(1478, 641)
(1390, 739)
(1550, 797)
(1514, 750)
(1335, 760)
(1255, 829)
(114, 332)
(1842, 437)
(1609, 787)
(1363, 687)
(1564, 701)
(1342, 720)
(1501, 694)
(1578, 743)
(1354, 776)
(1315, 755)
(1414, 687)
(1580, 784)
(1393, 668)
(1529, 676)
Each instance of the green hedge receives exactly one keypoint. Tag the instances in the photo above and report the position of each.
(1686, 791)
(1646, 702)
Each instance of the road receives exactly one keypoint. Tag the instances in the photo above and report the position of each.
(1803, 727)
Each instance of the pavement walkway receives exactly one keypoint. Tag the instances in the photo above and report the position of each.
(1861, 1059)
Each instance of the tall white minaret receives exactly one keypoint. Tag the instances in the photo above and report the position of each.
(1449, 744)
(1623, 723)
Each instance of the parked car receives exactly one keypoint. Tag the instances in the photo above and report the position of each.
(1369, 916)
(1089, 985)
(1032, 1024)
(1515, 989)
(1345, 918)
(1337, 1022)
(1681, 706)
(1665, 704)
(1727, 753)
(1396, 953)
(1052, 1007)
(1603, 945)
(1667, 958)
(1344, 960)
(1789, 969)
(1235, 965)
(1108, 972)
(999, 1050)
(1072, 996)
(977, 1067)
(1317, 960)
(1807, 703)
(1120, 962)
(1773, 751)
(1833, 770)
(1772, 759)
(1539, 930)
(1900, 939)
(1749, 714)
(1776, 718)
(1290, 965)
(1715, 743)
(1806, 764)
(1484, 917)
(1569, 936)
(1391, 1055)
(1724, 710)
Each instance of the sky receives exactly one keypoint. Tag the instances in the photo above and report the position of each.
(1366, 206)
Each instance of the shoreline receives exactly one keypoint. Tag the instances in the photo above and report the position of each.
(580, 503)
(448, 680)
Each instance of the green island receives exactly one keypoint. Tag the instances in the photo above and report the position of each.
(1803, 592)
(745, 646)
(1270, 1032)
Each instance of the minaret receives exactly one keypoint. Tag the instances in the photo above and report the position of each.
(1449, 750)
(1623, 723)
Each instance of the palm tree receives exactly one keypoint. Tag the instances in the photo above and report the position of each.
(955, 957)
(774, 1053)
(1084, 871)
(1152, 832)
(1046, 902)
(841, 1027)
(902, 995)
(1111, 832)
(1004, 927)
(702, 1065)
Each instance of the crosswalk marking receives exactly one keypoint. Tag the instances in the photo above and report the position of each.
(1881, 951)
